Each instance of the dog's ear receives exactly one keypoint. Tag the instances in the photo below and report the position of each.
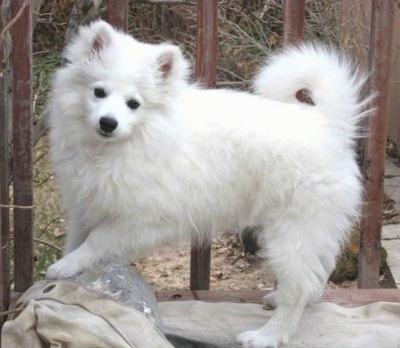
(170, 62)
(90, 40)
(102, 36)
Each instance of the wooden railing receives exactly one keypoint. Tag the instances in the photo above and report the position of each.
(19, 170)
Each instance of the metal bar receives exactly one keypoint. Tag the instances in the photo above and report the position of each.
(293, 21)
(117, 14)
(4, 164)
(375, 147)
(22, 144)
(206, 73)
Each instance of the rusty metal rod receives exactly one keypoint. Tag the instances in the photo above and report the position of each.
(206, 73)
(375, 147)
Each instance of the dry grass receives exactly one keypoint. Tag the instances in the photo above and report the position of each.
(248, 31)
(50, 217)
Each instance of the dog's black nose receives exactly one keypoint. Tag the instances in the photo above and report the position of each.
(108, 124)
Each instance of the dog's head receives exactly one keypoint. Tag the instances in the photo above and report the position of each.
(114, 83)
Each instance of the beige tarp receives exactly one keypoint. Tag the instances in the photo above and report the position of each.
(324, 325)
(70, 316)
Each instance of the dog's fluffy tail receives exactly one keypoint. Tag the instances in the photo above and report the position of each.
(329, 80)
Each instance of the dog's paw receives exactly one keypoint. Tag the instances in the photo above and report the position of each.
(257, 339)
(63, 269)
(269, 301)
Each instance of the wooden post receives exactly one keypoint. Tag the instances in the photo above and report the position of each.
(4, 162)
(394, 82)
(293, 30)
(375, 148)
(207, 28)
(22, 144)
(117, 14)
(293, 21)
(206, 72)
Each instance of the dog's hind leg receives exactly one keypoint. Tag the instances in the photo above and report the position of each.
(301, 258)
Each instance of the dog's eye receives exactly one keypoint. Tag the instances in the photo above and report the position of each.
(99, 92)
(132, 104)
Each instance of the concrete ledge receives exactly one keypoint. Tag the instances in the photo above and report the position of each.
(391, 242)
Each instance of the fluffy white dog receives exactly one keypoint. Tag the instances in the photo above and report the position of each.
(145, 159)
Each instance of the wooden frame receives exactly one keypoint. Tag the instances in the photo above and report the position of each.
(206, 71)
(343, 297)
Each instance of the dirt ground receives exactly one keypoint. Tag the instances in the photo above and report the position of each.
(231, 269)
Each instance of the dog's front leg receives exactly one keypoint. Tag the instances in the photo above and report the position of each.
(278, 329)
(76, 231)
(99, 245)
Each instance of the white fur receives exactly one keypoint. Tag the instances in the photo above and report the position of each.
(191, 161)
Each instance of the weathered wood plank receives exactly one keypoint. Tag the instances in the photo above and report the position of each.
(346, 298)
(206, 73)
(4, 162)
(293, 21)
(375, 146)
(394, 82)
(22, 145)
(117, 14)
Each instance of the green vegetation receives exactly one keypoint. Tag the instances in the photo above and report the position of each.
(44, 65)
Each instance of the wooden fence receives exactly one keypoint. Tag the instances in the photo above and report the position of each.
(16, 161)
(394, 83)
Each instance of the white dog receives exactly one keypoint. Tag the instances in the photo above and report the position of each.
(144, 159)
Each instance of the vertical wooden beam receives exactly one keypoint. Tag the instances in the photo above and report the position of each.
(4, 163)
(117, 14)
(375, 148)
(207, 29)
(354, 26)
(293, 21)
(200, 266)
(394, 82)
(22, 144)
(206, 73)
(294, 13)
